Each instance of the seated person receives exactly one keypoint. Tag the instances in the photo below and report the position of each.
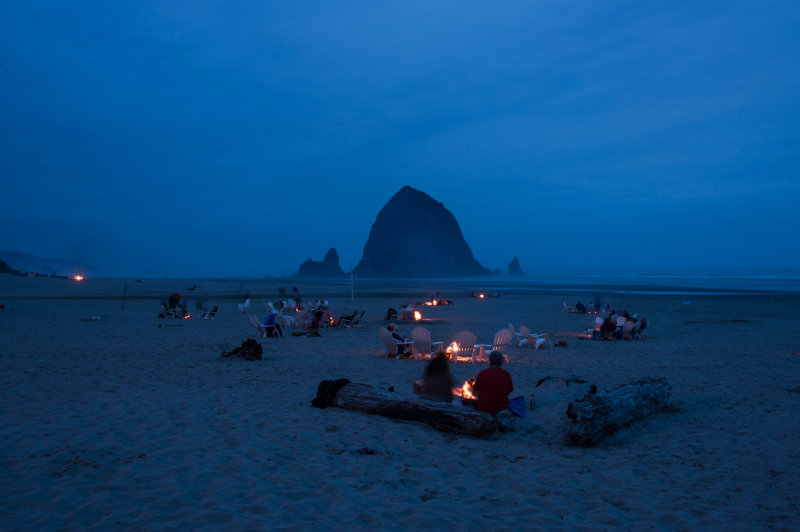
(608, 327)
(629, 329)
(580, 308)
(407, 312)
(402, 350)
(437, 380)
(493, 385)
(345, 319)
(271, 326)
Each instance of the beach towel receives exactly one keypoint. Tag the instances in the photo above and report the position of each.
(517, 405)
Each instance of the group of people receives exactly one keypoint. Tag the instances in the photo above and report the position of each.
(618, 326)
(580, 308)
(492, 386)
(406, 313)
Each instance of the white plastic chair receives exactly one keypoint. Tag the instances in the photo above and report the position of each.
(423, 347)
(391, 343)
(463, 347)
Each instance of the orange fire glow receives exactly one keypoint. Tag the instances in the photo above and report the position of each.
(481, 296)
(417, 315)
(78, 277)
(466, 389)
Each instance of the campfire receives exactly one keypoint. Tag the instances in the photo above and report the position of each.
(77, 277)
(466, 389)
(417, 315)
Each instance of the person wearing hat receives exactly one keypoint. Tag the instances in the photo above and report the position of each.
(493, 385)
(402, 350)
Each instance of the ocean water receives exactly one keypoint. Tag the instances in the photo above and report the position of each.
(677, 282)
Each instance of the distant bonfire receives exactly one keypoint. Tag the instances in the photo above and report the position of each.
(416, 236)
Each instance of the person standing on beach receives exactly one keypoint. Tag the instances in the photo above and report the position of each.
(493, 385)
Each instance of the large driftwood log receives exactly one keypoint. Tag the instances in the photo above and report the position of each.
(446, 417)
(598, 415)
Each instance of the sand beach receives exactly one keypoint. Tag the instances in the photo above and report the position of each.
(133, 422)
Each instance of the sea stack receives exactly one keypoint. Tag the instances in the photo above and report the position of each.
(416, 236)
(329, 267)
(5, 268)
(514, 269)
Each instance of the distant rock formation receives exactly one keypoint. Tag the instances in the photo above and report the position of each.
(329, 267)
(4, 268)
(416, 236)
(514, 268)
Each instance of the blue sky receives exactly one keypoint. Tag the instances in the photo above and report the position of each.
(241, 138)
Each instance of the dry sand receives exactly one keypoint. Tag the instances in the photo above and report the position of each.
(133, 422)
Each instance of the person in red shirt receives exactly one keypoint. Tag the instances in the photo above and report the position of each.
(493, 385)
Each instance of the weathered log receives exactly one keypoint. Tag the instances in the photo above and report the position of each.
(598, 415)
(447, 417)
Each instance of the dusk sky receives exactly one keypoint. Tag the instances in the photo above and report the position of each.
(241, 138)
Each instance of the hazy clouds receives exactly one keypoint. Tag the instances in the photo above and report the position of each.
(242, 138)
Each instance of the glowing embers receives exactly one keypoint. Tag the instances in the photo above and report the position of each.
(465, 391)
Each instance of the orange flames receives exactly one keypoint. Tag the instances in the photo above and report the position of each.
(77, 277)
(466, 389)
(417, 315)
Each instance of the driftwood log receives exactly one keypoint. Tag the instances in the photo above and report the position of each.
(598, 415)
(447, 417)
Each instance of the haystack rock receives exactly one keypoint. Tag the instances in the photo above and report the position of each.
(329, 267)
(514, 269)
(4, 268)
(416, 236)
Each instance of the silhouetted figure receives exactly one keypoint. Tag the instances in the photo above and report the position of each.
(438, 381)
(493, 385)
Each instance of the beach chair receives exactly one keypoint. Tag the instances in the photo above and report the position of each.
(346, 323)
(517, 338)
(209, 315)
(356, 322)
(535, 340)
(423, 347)
(390, 342)
(261, 332)
(244, 308)
(463, 347)
(571, 310)
(502, 339)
